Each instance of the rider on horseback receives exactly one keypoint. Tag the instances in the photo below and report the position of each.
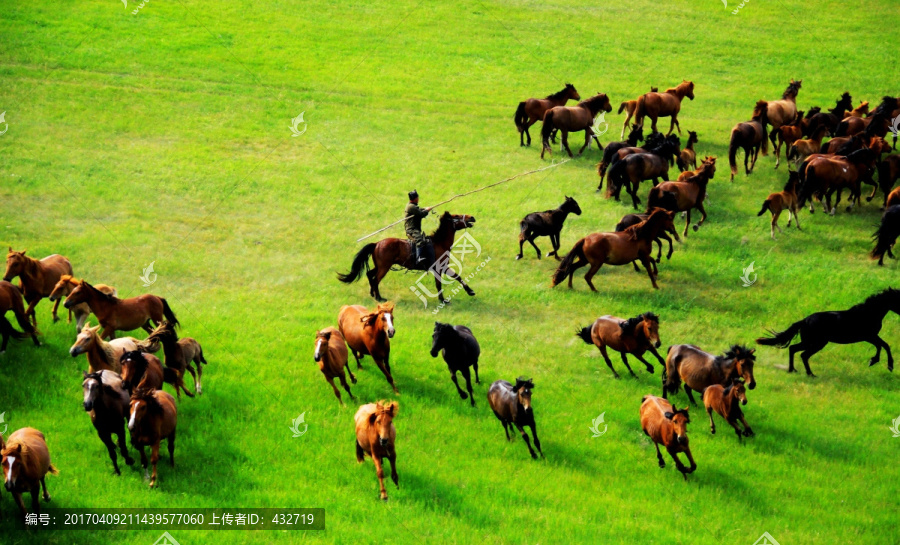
(414, 215)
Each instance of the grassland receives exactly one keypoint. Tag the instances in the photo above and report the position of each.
(163, 136)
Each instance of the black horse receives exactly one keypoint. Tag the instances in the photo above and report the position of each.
(460, 351)
(887, 234)
(546, 224)
(861, 323)
(636, 135)
(830, 119)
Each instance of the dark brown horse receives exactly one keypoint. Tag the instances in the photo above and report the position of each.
(888, 173)
(512, 407)
(831, 118)
(121, 314)
(11, 299)
(396, 251)
(180, 353)
(37, 277)
(888, 231)
(614, 151)
(107, 401)
(633, 336)
(573, 119)
(751, 136)
(698, 369)
(614, 249)
(368, 332)
(631, 170)
(153, 418)
(667, 104)
(687, 195)
(665, 425)
(532, 110)
(784, 111)
(828, 174)
(548, 223)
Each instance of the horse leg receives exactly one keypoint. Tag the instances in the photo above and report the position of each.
(379, 472)
(106, 437)
(672, 126)
(462, 394)
(590, 274)
(608, 362)
(537, 442)
(454, 276)
(642, 360)
(747, 431)
(565, 142)
(533, 245)
(588, 136)
(522, 430)
(503, 423)
(392, 458)
(123, 447)
(386, 369)
(646, 262)
(154, 459)
(379, 276)
(687, 222)
(690, 394)
(554, 241)
(625, 361)
(702, 210)
(55, 316)
(527, 133)
(809, 352)
(346, 386)
(337, 392)
(360, 453)
(878, 342)
(30, 312)
(466, 375)
(737, 429)
(774, 224)
(662, 463)
(575, 266)
(793, 349)
(712, 423)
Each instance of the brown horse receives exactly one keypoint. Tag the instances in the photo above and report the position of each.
(801, 149)
(667, 104)
(699, 370)
(668, 228)
(25, 463)
(141, 371)
(11, 299)
(153, 417)
(512, 407)
(613, 248)
(629, 107)
(331, 355)
(688, 157)
(786, 136)
(121, 314)
(610, 152)
(101, 354)
(888, 173)
(860, 111)
(180, 353)
(667, 426)
(727, 402)
(573, 119)
(532, 110)
(395, 251)
(631, 170)
(106, 400)
(64, 287)
(375, 436)
(369, 333)
(831, 118)
(784, 111)
(633, 336)
(687, 195)
(751, 136)
(37, 277)
(828, 174)
(784, 200)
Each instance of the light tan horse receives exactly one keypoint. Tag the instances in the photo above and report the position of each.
(101, 354)
(369, 332)
(38, 277)
(668, 104)
(25, 463)
(64, 287)
(375, 436)
(331, 355)
(784, 111)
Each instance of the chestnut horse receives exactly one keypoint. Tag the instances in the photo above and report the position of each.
(106, 400)
(828, 174)
(121, 314)
(727, 402)
(699, 370)
(153, 417)
(369, 333)
(803, 148)
(37, 277)
(784, 200)
(11, 299)
(633, 336)
(532, 110)
(751, 136)
(629, 106)
(786, 136)
(396, 251)
(64, 287)
(573, 119)
(687, 195)
(667, 426)
(613, 248)
(667, 104)
(687, 158)
(180, 353)
(141, 370)
(668, 228)
(25, 464)
(784, 111)
(101, 354)
(376, 436)
(331, 355)
(832, 118)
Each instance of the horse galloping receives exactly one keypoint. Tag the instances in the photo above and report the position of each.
(37, 277)
(573, 119)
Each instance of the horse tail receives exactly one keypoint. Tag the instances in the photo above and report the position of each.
(765, 140)
(765, 207)
(672, 378)
(547, 127)
(792, 152)
(732, 151)
(585, 335)
(52, 470)
(784, 338)
(653, 199)
(565, 266)
(359, 262)
(7, 330)
(521, 118)
(639, 111)
(622, 106)
(167, 312)
(884, 236)
(202, 357)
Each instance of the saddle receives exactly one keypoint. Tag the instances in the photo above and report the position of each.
(412, 261)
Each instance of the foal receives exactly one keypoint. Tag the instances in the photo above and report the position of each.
(727, 402)
(331, 355)
(688, 157)
(784, 200)
(667, 426)
(180, 353)
(633, 336)
(106, 400)
(548, 223)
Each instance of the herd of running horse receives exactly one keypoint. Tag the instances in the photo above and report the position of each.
(124, 380)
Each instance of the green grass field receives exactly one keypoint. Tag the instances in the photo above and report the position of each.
(164, 136)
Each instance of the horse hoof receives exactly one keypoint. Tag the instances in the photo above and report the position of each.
(463, 395)
(696, 228)
(470, 293)
(129, 461)
(650, 369)
(518, 257)
(872, 362)
(662, 465)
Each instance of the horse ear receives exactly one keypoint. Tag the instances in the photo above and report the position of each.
(84, 374)
(669, 415)
(392, 408)
(327, 335)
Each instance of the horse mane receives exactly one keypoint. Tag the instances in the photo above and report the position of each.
(638, 230)
(760, 111)
(877, 297)
(383, 406)
(108, 297)
(590, 102)
(146, 395)
(793, 179)
(560, 94)
(629, 324)
(738, 352)
(444, 224)
(790, 92)
(813, 111)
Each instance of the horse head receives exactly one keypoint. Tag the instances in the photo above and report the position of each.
(692, 138)
(15, 264)
(62, 287)
(438, 338)
(78, 295)
(92, 386)
(12, 465)
(570, 205)
(522, 389)
(744, 359)
(679, 419)
(687, 88)
(737, 389)
(322, 338)
(572, 93)
(649, 326)
(382, 318)
(383, 421)
(140, 404)
(84, 340)
(134, 365)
